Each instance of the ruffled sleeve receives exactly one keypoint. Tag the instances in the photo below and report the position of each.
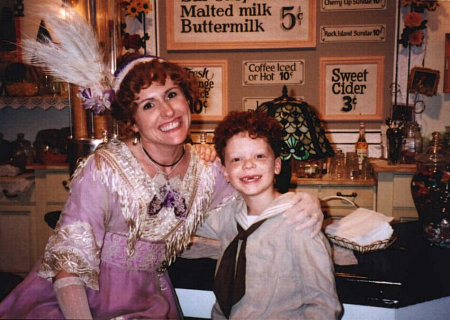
(78, 237)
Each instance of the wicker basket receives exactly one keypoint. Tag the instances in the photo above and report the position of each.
(377, 245)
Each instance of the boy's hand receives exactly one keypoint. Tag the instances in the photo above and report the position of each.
(306, 212)
(206, 151)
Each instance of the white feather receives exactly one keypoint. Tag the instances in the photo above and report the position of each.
(74, 55)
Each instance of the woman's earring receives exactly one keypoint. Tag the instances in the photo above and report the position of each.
(136, 139)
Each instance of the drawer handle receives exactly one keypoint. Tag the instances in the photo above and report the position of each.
(66, 185)
(9, 195)
(352, 195)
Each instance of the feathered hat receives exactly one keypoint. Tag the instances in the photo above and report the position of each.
(76, 57)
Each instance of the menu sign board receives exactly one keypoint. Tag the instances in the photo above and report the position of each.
(343, 5)
(351, 88)
(238, 24)
(260, 72)
(353, 33)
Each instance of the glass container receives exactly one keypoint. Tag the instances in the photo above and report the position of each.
(22, 152)
(412, 143)
(430, 191)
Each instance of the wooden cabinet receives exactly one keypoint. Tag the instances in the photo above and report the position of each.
(23, 230)
(394, 189)
(361, 192)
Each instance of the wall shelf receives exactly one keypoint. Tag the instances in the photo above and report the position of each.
(43, 102)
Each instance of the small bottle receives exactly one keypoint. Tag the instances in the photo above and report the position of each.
(361, 145)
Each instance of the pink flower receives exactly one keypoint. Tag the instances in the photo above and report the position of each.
(413, 19)
(416, 38)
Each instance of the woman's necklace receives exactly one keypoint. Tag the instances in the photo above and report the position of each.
(168, 197)
(156, 163)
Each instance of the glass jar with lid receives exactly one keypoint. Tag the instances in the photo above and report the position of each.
(412, 143)
(430, 191)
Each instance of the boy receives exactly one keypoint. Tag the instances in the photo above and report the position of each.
(267, 268)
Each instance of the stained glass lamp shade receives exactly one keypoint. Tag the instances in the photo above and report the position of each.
(303, 136)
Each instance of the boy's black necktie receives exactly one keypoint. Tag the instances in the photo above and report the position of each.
(229, 284)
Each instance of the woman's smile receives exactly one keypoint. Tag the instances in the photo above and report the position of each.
(171, 125)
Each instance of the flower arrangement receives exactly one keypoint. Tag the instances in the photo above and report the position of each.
(415, 24)
(136, 9)
(96, 99)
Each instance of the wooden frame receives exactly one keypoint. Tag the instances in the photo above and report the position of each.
(143, 26)
(351, 88)
(212, 24)
(423, 80)
(447, 64)
(213, 88)
(10, 42)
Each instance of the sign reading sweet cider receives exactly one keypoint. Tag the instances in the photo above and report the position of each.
(351, 87)
(225, 24)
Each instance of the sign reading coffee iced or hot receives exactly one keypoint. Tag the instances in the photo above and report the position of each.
(238, 24)
(257, 72)
(351, 88)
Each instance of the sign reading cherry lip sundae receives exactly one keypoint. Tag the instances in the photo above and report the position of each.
(239, 24)
(351, 88)
(346, 5)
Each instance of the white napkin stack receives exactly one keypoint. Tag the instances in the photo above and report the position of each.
(7, 170)
(362, 226)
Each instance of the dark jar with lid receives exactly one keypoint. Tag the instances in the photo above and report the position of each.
(430, 191)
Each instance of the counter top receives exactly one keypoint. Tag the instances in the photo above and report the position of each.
(409, 272)
(50, 166)
(327, 180)
(380, 165)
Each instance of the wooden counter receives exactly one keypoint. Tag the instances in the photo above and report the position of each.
(409, 280)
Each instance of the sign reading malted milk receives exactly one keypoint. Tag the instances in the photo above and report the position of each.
(260, 72)
(342, 5)
(238, 24)
(353, 33)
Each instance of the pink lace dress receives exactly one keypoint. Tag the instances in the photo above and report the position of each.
(118, 231)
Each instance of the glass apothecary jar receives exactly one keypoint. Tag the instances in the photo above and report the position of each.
(430, 191)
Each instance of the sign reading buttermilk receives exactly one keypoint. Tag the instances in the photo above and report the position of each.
(238, 24)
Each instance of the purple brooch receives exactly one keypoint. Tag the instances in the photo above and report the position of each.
(167, 198)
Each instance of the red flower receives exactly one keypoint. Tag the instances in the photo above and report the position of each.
(416, 38)
(132, 41)
(413, 19)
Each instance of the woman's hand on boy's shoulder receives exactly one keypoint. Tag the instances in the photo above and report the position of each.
(305, 213)
(206, 151)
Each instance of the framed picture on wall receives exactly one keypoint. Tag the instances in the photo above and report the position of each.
(10, 35)
(423, 80)
(351, 88)
(213, 24)
(212, 76)
(139, 22)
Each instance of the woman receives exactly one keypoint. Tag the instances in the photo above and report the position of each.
(132, 208)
